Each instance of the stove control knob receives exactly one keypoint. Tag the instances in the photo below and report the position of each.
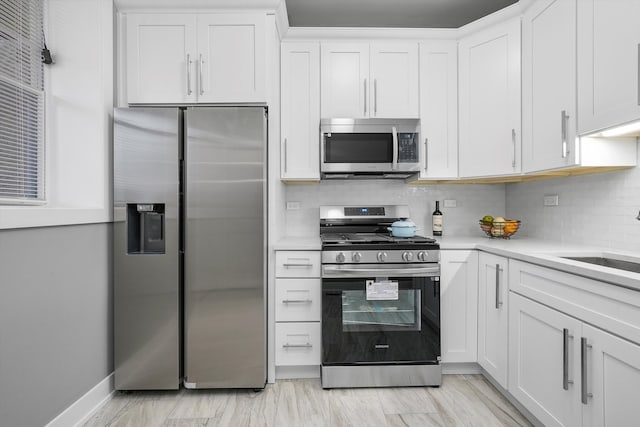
(356, 257)
(422, 256)
(407, 256)
(382, 256)
(340, 257)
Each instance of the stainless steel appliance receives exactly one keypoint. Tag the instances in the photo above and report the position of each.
(380, 301)
(190, 247)
(369, 148)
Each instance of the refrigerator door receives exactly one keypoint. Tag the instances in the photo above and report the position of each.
(146, 249)
(225, 248)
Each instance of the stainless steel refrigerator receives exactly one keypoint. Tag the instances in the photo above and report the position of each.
(190, 247)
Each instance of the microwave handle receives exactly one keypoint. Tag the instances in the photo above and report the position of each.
(394, 132)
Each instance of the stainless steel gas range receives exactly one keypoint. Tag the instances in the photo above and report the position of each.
(380, 301)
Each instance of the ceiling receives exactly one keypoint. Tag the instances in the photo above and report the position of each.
(390, 13)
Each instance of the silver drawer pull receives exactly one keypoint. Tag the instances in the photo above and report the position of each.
(287, 345)
(287, 265)
(297, 301)
(381, 346)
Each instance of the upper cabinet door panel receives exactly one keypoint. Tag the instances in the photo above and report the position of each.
(345, 80)
(300, 106)
(394, 80)
(490, 101)
(549, 85)
(231, 58)
(608, 63)
(161, 62)
(439, 109)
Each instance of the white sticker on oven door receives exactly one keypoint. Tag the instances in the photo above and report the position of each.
(382, 291)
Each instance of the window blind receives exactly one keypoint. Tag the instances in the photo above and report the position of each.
(21, 101)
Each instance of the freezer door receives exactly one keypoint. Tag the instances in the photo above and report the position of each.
(225, 248)
(146, 254)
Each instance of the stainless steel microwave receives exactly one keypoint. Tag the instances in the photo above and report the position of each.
(369, 148)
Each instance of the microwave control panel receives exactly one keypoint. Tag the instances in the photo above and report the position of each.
(407, 147)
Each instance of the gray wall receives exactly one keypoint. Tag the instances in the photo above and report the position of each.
(55, 319)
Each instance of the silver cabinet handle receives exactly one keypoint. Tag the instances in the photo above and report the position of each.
(285, 155)
(638, 73)
(513, 141)
(287, 265)
(564, 117)
(498, 303)
(585, 395)
(200, 76)
(565, 359)
(365, 97)
(426, 154)
(287, 345)
(297, 301)
(189, 91)
(394, 133)
(381, 346)
(375, 97)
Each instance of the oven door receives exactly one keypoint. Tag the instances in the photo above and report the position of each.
(379, 318)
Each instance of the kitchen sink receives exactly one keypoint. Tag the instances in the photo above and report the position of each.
(607, 262)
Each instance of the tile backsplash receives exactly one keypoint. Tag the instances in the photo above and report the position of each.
(473, 201)
(598, 209)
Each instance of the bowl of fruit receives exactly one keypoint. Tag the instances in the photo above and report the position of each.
(499, 227)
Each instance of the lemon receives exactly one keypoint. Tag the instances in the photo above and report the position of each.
(487, 219)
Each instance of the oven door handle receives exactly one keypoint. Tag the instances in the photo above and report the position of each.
(339, 271)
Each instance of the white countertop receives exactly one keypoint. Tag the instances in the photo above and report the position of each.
(547, 253)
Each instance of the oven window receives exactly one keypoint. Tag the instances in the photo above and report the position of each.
(359, 148)
(362, 315)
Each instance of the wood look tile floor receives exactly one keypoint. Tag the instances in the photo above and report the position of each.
(462, 400)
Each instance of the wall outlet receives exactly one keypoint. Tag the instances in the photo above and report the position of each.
(551, 200)
(450, 203)
(293, 206)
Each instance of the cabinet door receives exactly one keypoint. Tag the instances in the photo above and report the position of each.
(345, 80)
(493, 316)
(300, 89)
(490, 101)
(439, 109)
(612, 379)
(459, 305)
(608, 63)
(394, 80)
(161, 58)
(539, 371)
(549, 85)
(231, 57)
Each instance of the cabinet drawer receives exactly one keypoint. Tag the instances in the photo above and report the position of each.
(297, 344)
(610, 307)
(298, 300)
(298, 264)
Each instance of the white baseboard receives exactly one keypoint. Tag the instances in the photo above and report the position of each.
(82, 409)
(297, 372)
(460, 368)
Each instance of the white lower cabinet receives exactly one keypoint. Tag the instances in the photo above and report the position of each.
(493, 292)
(565, 371)
(297, 343)
(459, 306)
(297, 309)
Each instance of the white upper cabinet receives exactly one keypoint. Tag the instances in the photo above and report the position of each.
(549, 85)
(300, 103)
(161, 58)
(185, 58)
(231, 57)
(489, 93)
(345, 80)
(608, 63)
(361, 80)
(394, 80)
(439, 109)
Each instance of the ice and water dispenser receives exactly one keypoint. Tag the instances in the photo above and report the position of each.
(146, 228)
